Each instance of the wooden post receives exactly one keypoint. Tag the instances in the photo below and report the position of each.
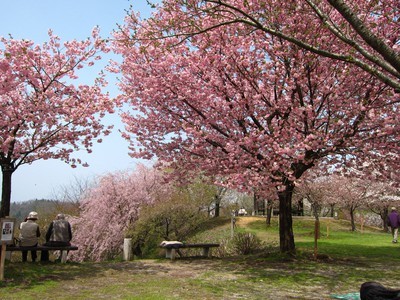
(2, 259)
(7, 236)
(316, 236)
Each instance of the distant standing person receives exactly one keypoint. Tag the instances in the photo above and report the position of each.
(394, 223)
(29, 233)
(59, 233)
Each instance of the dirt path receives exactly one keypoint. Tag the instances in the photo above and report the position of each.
(244, 221)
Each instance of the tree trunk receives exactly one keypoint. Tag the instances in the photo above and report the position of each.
(316, 208)
(216, 212)
(384, 216)
(332, 210)
(7, 171)
(300, 208)
(166, 228)
(255, 203)
(353, 223)
(286, 237)
(269, 212)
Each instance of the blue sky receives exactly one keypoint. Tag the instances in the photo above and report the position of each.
(69, 19)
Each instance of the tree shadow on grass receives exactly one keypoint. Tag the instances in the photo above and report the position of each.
(27, 275)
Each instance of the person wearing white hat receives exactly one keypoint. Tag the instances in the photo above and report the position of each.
(29, 234)
(393, 221)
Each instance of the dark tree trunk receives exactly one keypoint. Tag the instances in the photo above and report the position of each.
(255, 203)
(7, 171)
(166, 228)
(353, 223)
(332, 210)
(217, 199)
(300, 208)
(269, 212)
(384, 217)
(216, 212)
(286, 237)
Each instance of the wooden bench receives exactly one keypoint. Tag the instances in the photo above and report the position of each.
(172, 249)
(64, 249)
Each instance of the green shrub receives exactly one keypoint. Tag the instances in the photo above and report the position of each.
(246, 243)
(176, 218)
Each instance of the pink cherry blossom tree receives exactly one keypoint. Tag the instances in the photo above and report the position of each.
(349, 194)
(111, 207)
(250, 108)
(383, 196)
(361, 33)
(45, 112)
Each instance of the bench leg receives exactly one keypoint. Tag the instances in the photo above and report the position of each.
(167, 253)
(63, 256)
(173, 254)
(206, 251)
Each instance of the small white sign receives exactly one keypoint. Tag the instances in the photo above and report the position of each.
(7, 230)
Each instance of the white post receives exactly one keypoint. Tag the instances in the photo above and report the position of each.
(128, 249)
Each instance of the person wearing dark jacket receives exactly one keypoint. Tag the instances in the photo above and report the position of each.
(394, 223)
(58, 234)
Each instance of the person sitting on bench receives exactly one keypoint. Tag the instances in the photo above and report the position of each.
(58, 234)
(29, 233)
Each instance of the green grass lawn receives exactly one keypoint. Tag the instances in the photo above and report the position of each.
(336, 239)
(346, 260)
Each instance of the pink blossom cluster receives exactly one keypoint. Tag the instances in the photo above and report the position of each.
(208, 91)
(45, 112)
(111, 207)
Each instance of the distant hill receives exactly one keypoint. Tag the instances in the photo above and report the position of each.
(20, 210)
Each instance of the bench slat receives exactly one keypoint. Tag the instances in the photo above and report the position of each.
(171, 249)
(175, 246)
(199, 245)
